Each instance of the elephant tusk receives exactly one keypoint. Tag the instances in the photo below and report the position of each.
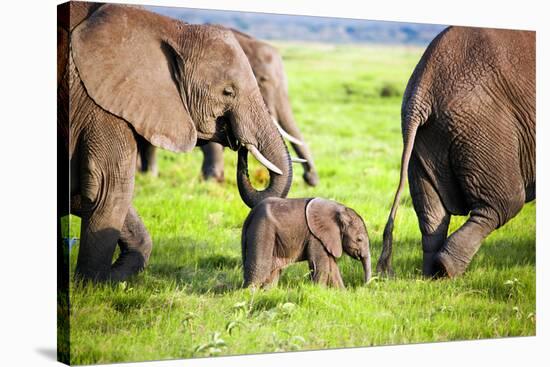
(298, 160)
(263, 160)
(286, 135)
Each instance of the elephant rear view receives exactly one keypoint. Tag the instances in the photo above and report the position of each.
(468, 124)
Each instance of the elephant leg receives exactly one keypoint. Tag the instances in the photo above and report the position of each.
(272, 279)
(212, 164)
(462, 245)
(288, 123)
(433, 218)
(108, 156)
(310, 175)
(258, 264)
(336, 278)
(147, 157)
(325, 271)
(135, 246)
(149, 160)
(323, 267)
(318, 271)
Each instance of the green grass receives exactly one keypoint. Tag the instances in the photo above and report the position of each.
(189, 301)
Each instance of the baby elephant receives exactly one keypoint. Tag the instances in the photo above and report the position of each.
(278, 232)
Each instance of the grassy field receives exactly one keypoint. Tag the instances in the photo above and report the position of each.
(189, 301)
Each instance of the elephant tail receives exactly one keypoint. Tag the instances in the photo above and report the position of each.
(414, 114)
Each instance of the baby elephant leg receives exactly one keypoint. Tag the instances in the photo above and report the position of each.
(324, 269)
(335, 276)
(272, 279)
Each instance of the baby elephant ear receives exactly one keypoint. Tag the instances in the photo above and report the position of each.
(129, 68)
(322, 218)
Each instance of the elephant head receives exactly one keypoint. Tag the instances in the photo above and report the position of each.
(339, 228)
(178, 85)
(267, 65)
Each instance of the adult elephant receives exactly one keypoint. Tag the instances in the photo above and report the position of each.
(468, 123)
(267, 65)
(132, 73)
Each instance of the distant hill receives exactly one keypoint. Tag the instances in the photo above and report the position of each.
(308, 28)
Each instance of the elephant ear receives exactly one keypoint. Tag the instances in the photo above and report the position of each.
(127, 66)
(322, 218)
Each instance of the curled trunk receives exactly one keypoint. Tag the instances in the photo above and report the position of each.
(279, 184)
(252, 125)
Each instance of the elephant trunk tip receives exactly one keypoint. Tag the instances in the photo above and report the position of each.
(367, 268)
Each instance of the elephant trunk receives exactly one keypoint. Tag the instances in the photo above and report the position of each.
(367, 267)
(269, 148)
(285, 118)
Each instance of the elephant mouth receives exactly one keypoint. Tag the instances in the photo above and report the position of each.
(224, 134)
(226, 137)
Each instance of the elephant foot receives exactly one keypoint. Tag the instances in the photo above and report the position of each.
(85, 276)
(127, 264)
(254, 285)
(120, 271)
(447, 266)
(430, 267)
(216, 177)
(213, 174)
(150, 172)
(311, 178)
(154, 171)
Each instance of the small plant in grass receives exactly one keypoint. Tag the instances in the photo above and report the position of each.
(287, 342)
(123, 286)
(233, 325)
(281, 311)
(521, 315)
(241, 310)
(188, 317)
(215, 345)
(515, 288)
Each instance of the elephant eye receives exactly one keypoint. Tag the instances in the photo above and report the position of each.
(263, 79)
(229, 91)
(359, 239)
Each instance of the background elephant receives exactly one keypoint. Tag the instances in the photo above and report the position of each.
(267, 65)
(279, 232)
(468, 122)
(128, 72)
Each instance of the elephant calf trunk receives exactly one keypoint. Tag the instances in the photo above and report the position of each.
(367, 267)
